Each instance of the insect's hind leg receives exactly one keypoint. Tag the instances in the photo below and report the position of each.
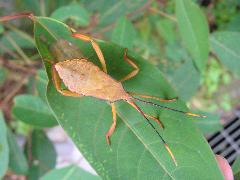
(94, 45)
(152, 97)
(130, 62)
(155, 119)
(113, 126)
(57, 83)
(164, 142)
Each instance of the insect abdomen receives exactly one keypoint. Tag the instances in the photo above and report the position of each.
(85, 78)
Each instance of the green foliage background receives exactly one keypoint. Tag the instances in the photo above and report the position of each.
(190, 50)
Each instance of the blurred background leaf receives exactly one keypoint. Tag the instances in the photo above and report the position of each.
(236, 168)
(41, 84)
(33, 110)
(74, 12)
(3, 75)
(41, 155)
(70, 172)
(226, 46)
(4, 148)
(16, 38)
(1, 29)
(234, 24)
(110, 11)
(193, 28)
(151, 29)
(124, 33)
(17, 160)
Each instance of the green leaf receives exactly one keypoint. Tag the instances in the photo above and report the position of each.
(136, 151)
(186, 86)
(4, 149)
(22, 39)
(124, 33)
(236, 166)
(234, 24)
(210, 124)
(166, 28)
(1, 29)
(37, 7)
(32, 110)
(194, 31)
(74, 12)
(3, 75)
(17, 160)
(110, 11)
(41, 84)
(226, 46)
(178, 65)
(68, 173)
(42, 153)
(237, 176)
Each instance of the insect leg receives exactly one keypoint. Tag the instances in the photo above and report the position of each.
(164, 142)
(112, 128)
(152, 97)
(155, 119)
(129, 61)
(57, 83)
(95, 47)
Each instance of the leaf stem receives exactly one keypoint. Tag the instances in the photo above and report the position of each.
(161, 13)
(18, 49)
(9, 51)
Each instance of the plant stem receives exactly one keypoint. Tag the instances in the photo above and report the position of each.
(161, 13)
(18, 49)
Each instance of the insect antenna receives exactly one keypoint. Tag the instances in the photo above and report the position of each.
(165, 107)
(149, 122)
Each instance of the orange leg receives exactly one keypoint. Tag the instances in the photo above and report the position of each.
(113, 126)
(57, 83)
(152, 97)
(94, 45)
(155, 119)
(164, 142)
(129, 61)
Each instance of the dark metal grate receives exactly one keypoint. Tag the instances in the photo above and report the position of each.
(227, 141)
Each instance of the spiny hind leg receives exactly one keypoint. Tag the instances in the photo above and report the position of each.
(155, 119)
(130, 62)
(94, 45)
(57, 83)
(155, 98)
(164, 142)
(152, 97)
(113, 126)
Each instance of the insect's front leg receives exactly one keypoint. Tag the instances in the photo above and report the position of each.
(94, 45)
(57, 83)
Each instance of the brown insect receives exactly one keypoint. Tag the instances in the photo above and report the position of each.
(84, 78)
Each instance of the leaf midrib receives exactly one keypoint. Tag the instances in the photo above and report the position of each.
(191, 28)
(145, 146)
